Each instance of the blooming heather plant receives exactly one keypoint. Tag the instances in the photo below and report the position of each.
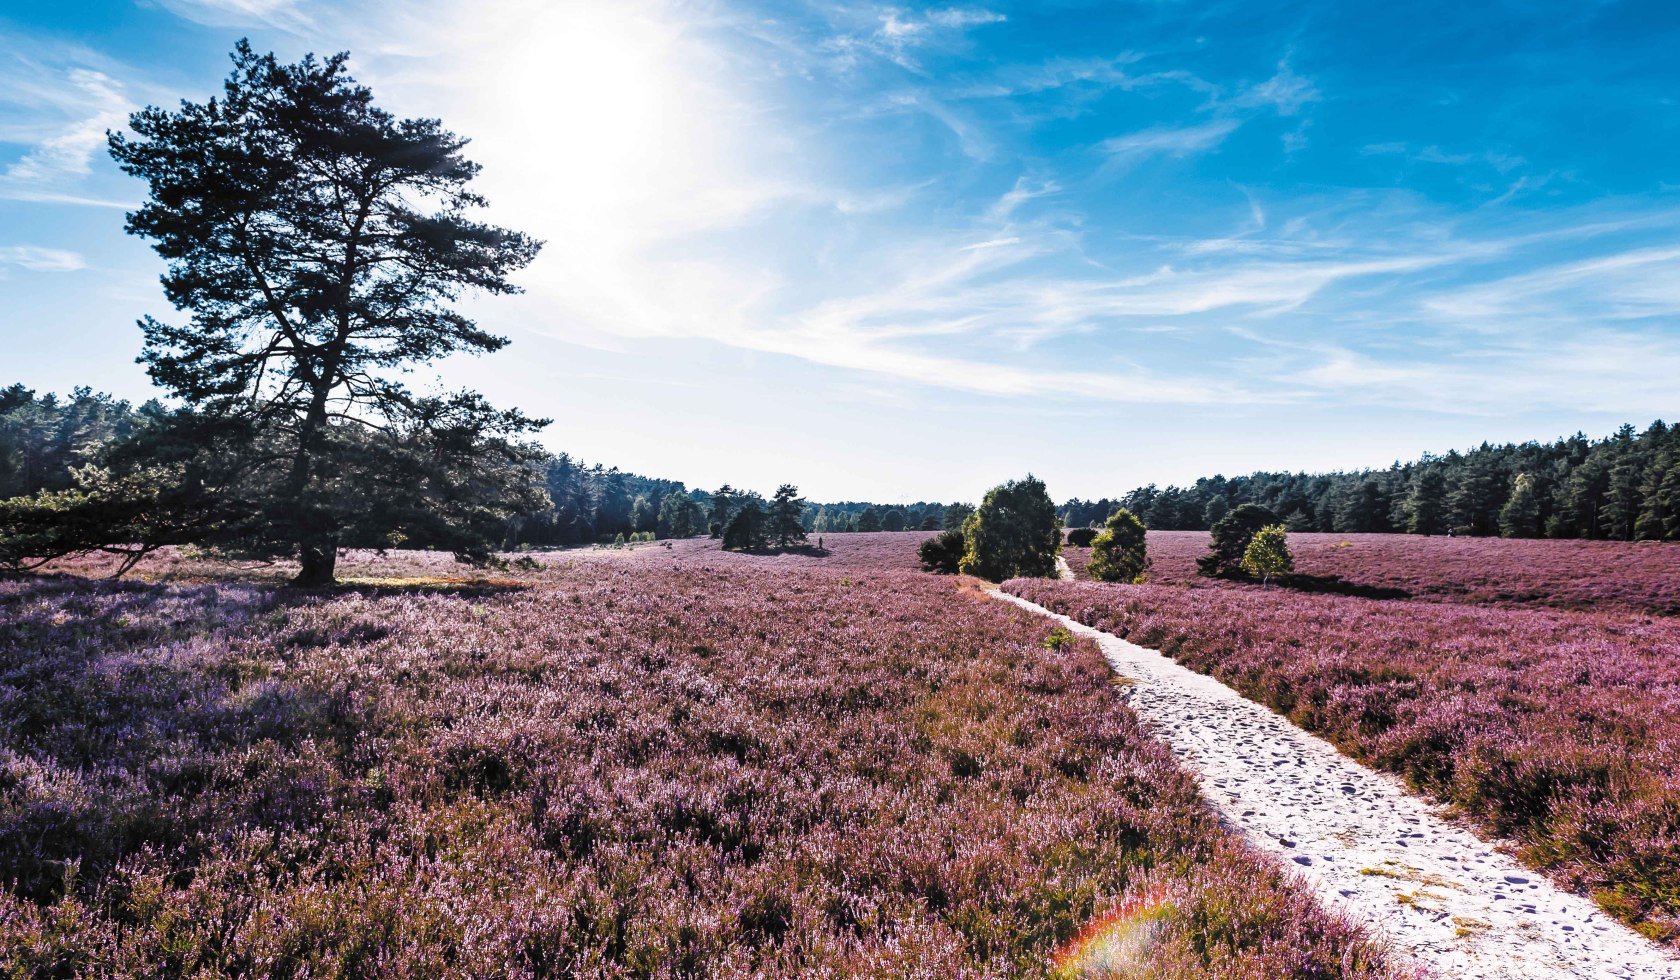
(650, 763)
(1586, 575)
(1560, 729)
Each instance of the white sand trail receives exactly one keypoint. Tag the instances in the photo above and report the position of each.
(1455, 904)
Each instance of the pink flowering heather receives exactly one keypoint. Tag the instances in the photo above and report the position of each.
(1588, 575)
(1559, 729)
(638, 763)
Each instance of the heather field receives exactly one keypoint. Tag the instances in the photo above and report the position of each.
(1585, 575)
(1559, 729)
(642, 762)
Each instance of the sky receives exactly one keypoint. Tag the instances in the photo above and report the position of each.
(898, 252)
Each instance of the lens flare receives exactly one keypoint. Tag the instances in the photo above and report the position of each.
(1118, 944)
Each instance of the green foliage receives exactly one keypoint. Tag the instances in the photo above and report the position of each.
(784, 526)
(318, 244)
(1426, 504)
(1121, 552)
(1267, 555)
(1230, 538)
(1058, 639)
(43, 438)
(679, 515)
(1081, 537)
(1520, 517)
(869, 520)
(749, 529)
(1014, 533)
(131, 515)
(1623, 487)
(723, 509)
(956, 515)
(943, 552)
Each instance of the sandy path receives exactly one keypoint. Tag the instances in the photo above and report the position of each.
(1064, 571)
(1368, 845)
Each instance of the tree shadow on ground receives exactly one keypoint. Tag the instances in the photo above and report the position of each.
(1336, 585)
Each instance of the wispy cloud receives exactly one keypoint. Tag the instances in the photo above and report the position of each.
(288, 15)
(56, 102)
(1285, 91)
(37, 259)
(896, 35)
(1177, 141)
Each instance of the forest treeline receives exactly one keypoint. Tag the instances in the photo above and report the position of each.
(1624, 487)
(44, 437)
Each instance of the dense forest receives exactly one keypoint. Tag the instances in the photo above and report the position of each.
(1624, 487)
(44, 437)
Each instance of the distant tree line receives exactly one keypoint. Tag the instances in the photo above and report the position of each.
(45, 437)
(1624, 487)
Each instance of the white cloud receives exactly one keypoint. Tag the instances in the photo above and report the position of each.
(288, 15)
(1175, 141)
(37, 259)
(56, 105)
(1285, 92)
(1632, 284)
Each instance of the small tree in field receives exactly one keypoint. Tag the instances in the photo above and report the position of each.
(785, 510)
(943, 552)
(748, 530)
(1014, 533)
(1120, 553)
(1267, 555)
(1230, 538)
(318, 244)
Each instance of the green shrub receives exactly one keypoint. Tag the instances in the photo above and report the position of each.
(943, 552)
(1014, 533)
(1120, 553)
(1081, 537)
(1267, 555)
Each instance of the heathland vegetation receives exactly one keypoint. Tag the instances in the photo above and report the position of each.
(733, 752)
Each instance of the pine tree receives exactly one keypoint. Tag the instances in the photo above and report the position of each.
(785, 510)
(748, 529)
(723, 509)
(1520, 517)
(318, 243)
(1426, 505)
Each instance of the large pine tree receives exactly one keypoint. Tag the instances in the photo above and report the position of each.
(317, 243)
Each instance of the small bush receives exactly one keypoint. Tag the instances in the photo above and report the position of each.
(943, 552)
(1120, 553)
(1081, 537)
(1267, 555)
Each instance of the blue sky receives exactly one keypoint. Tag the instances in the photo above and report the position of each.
(902, 252)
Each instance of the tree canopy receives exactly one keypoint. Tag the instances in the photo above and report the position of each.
(1121, 552)
(1013, 533)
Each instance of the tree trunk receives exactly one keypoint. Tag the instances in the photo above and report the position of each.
(317, 561)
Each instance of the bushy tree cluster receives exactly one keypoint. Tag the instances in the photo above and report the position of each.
(1230, 539)
(860, 516)
(44, 437)
(1625, 487)
(590, 504)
